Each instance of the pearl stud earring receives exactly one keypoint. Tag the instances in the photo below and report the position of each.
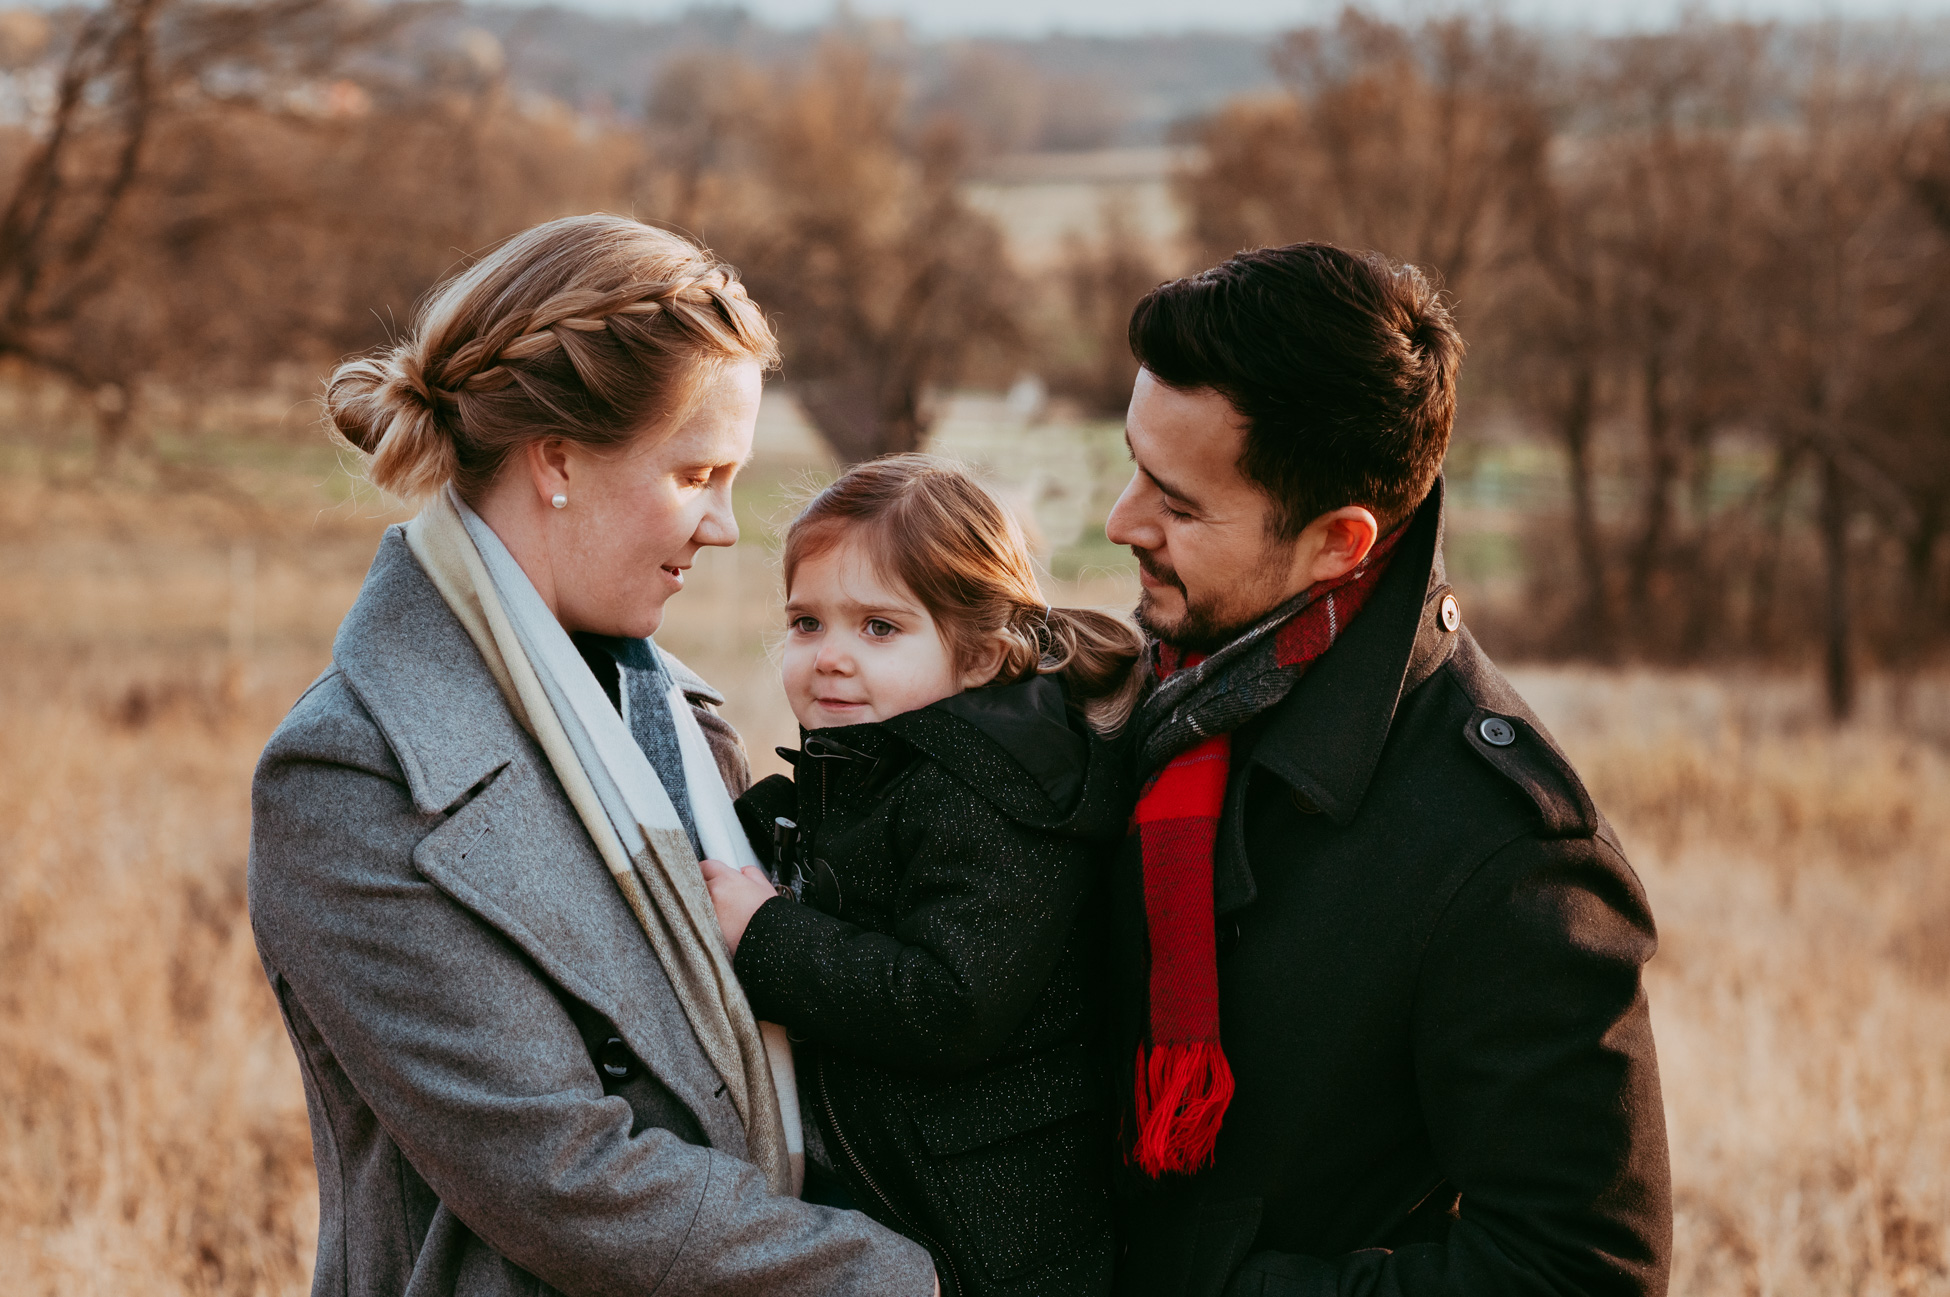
(559, 500)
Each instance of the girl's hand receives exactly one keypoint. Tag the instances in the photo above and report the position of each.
(736, 894)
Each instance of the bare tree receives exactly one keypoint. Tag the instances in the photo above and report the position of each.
(1671, 181)
(70, 188)
(1557, 339)
(1390, 137)
(132, 71)
(1846, 252)
(850, 225)
(1087, 356)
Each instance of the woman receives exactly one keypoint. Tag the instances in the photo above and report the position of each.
(475, 840)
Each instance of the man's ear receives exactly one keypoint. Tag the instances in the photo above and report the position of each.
(1338, 541)
(982, 668)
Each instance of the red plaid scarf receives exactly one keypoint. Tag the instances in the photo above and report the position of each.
(1183, 1080)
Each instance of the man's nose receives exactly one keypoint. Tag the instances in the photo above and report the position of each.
(1127, 524)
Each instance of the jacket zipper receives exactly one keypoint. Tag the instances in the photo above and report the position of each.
(953, 1285)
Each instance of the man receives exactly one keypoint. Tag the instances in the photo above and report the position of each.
(1378, 1022)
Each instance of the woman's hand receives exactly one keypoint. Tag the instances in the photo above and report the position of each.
(736, 894)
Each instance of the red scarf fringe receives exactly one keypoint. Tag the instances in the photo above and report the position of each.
(1182, 1093)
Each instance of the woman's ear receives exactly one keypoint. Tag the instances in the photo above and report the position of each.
(982, 668)
(548, 466)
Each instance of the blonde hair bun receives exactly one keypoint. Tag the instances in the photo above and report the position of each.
(381, 407)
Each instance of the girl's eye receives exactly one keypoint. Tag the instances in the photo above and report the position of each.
(806, 625)
(878, 629)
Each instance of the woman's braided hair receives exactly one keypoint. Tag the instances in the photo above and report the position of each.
(591, 328)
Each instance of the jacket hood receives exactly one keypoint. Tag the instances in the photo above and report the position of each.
(1019, 747)
(1030, 721)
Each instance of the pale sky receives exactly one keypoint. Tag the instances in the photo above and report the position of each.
(1125, 17)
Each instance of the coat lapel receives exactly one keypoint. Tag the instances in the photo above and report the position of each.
(1325, 738)
(511, 849)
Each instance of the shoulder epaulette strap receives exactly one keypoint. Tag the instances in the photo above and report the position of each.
(1515, 749)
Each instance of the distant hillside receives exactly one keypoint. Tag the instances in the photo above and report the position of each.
(1060, 93)
(1063, 92)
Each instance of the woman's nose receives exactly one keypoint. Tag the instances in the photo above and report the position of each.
(719, 526)
(1127, 524)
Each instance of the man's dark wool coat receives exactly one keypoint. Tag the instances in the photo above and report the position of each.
(1429, 955)
(941, 983)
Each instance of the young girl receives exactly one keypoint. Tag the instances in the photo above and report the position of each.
(951, 802)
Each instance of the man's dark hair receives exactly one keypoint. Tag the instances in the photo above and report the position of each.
(1343, 364)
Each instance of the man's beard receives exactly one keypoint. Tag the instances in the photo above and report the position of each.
(1201, 628)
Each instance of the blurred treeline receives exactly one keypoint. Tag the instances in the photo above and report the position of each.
(1708, 265)
(1705, 267)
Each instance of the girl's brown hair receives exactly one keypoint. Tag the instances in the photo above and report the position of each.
(935, 529)
(594, 329)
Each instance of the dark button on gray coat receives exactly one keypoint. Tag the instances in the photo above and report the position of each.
(452, 959)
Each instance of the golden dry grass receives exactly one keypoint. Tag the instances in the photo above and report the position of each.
(152, 1130)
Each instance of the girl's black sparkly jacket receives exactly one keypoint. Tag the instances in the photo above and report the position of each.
(941, 977)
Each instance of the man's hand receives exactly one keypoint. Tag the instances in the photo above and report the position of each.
(736, 894)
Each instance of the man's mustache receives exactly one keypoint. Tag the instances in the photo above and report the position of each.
(1155, 570)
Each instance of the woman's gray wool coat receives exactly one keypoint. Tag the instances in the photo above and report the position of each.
(505, 1096)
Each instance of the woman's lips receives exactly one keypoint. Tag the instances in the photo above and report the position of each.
(676, 575)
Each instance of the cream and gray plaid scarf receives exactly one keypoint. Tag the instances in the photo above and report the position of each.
(629, 815)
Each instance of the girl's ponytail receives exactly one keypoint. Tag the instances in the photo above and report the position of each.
(1097, 656)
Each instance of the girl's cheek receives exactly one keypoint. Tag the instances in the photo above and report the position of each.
(795, 664)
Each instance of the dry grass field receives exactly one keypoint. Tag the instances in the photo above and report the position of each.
(152, 1130)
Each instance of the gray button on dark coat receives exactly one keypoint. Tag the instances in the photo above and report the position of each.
(455, 967)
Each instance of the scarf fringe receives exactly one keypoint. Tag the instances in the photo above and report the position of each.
(1182, 1093)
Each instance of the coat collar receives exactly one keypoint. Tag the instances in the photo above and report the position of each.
(419, 675)
(1325, 738)
(422, 681)
(1015, 746)
(1037, 755)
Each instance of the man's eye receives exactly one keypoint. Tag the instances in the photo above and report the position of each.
(1178, 514)
(879, 629)
(806, 625)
